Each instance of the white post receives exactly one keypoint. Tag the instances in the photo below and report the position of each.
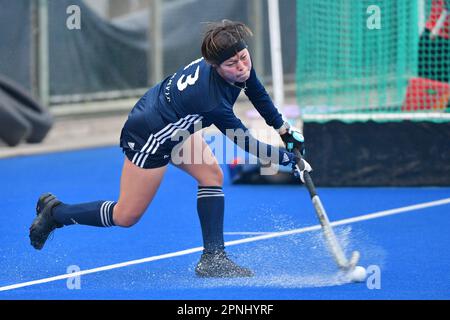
(256, 14)
(43, 63)
(275, 53)
(155, 52)
(421, 16)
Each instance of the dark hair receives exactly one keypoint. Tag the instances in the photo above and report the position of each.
(220, 36)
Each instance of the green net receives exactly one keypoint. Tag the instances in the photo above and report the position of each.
(376, 57)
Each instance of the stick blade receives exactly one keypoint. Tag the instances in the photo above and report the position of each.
(354, 259)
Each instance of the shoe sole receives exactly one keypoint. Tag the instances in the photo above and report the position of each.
(231, 275)
(225, 276)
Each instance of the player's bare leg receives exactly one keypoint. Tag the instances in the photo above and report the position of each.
(137, 188)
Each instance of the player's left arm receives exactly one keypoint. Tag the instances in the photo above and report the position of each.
(257, 94)
(262, 102)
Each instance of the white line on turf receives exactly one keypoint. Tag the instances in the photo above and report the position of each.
(246, 233)
(370, 216)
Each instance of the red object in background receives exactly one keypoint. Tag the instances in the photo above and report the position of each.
(437, 8)
(426, 94)
(235, 162)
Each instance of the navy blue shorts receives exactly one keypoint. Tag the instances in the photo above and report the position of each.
(147, 140)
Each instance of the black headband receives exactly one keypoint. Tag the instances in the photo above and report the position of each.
(231, 51)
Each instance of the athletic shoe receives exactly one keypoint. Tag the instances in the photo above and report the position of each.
(218, 265)
(44, 224)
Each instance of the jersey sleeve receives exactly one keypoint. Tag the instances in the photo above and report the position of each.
(262, 102)
(232, 127)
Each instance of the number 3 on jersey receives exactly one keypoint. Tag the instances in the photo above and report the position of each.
(183, 83)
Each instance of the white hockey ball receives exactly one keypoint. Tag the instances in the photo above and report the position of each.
(358, 274)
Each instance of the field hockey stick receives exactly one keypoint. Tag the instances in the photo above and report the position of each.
(333, 244)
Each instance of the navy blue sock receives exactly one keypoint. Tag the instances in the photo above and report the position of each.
(98, 213)
(210, 208)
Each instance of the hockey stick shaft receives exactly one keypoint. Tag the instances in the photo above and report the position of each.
(330, 237)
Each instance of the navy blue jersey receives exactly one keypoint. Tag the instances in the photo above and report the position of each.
(199, 89)
(198, 94)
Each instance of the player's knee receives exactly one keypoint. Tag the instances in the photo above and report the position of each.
(126, 222)
(218, 174)
(212, 177)
(126, 219)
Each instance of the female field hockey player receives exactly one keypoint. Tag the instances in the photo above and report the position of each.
(198, 95)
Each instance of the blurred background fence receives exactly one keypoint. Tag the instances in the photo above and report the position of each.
(121, 47)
